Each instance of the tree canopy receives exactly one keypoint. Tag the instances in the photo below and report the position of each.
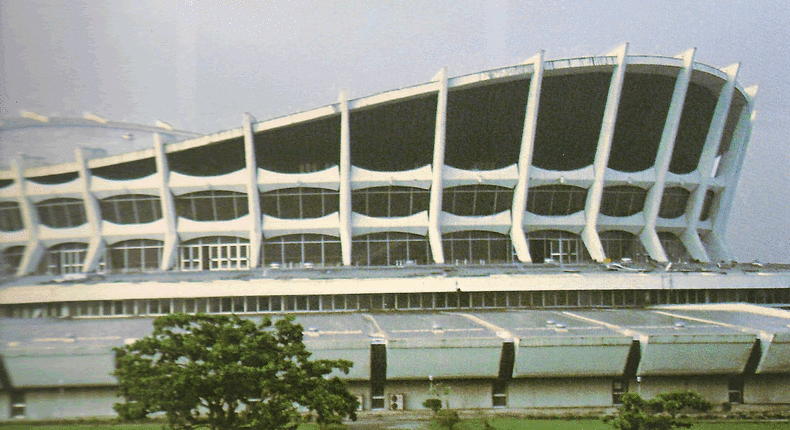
(659, 413)
(224, 372)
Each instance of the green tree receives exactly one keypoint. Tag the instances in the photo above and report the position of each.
(223, 372)
(659, 413)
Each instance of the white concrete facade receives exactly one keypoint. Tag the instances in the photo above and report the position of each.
(702, 240)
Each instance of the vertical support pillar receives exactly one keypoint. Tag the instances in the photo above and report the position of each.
(253, 197)
(593, 206)
(170, 251)
(648, 235)
(435, 206)
(690, 237)
(517, 234)
(96, 245)
(345, 180)
(34, 250)
(732, 165)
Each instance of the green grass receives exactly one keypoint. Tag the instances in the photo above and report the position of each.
(592, 424)
(783, 425)
(95, 426)
(472, 424)
(78, 426)
(520, 423)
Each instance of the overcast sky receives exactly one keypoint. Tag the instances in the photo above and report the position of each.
(199, 65)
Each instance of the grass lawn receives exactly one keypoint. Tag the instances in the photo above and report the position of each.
(472, 424)
(519, 424)
(77, 426)
(94, 426)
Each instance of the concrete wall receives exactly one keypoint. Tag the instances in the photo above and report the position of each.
(464, 393)
(360, 388)
(712, 387)
(767, 389)
(559, 392)
(72, 402)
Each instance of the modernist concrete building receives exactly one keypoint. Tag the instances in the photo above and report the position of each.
(549, 184)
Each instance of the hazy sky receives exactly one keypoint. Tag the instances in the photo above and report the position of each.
(199, 65)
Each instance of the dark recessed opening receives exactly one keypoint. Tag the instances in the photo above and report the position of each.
(61, 178)
(569, 120)
(394, 137)
(485, 125)
(733, 116)
(644, 104)
(209, 160)
(693, 129)
(300, 148)
(129, 170)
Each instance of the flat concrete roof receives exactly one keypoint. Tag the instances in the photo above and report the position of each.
(690, 339)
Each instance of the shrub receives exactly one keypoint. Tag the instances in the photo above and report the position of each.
(433, 404)
(446, 419)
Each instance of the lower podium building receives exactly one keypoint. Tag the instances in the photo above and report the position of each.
(520, 236)
(474, 359)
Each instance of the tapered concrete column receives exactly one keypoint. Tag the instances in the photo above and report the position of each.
(593, 206)
(690, 237)
(517, 235)
(253, 196)
(345, 180)
(34, 249)
(170, 249)
(648, 236)
(435, 207)
(96, 246)
(733, 165)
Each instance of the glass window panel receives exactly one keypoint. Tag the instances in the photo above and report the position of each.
(445, 300)
(556, 199)
(134, 258)
(214, 305)
(379, 205)
(126, 212)
(269, 204)
(312, 205)
(673, 202)
(184, 208)
(152, 259)
(224, 205)
(147, 210)
(477, 300)
(204, 209)
(313, 303)
(77, 214)
(275, 303)
(108, 212)
(289, 207)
